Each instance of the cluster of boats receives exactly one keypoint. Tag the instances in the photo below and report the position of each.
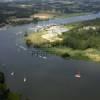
(35, 53)
(77, 75)
(13, 73)
(41, 27)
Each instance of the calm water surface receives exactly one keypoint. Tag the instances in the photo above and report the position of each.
(51, 78)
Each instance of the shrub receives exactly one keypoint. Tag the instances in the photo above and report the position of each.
(64, 55)
(28, 42)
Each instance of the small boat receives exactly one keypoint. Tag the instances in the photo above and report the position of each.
(25, 79)
(21, 47)
(40, 56)
(18, 33)
(12, 73)
(44, 57)
(77, 75)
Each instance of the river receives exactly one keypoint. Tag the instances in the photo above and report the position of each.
(52, 78)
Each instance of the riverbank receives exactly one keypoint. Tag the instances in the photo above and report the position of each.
(77, 41)
(13, 21)
(5, 93)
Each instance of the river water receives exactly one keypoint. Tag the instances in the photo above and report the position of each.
(52, 78)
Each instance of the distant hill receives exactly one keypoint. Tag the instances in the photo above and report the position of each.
(46, 0)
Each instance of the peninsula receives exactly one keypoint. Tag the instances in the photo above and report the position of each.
(79, 40)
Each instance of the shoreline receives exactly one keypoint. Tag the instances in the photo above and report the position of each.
(51, 18)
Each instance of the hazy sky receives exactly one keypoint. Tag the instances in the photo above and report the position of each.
(42, 0)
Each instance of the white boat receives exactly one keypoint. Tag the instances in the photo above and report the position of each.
(25, 79)
(21, 47)
(77, 75)
(12, 73)
(44, 57)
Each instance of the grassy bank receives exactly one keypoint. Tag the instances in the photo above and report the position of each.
(88, 54)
